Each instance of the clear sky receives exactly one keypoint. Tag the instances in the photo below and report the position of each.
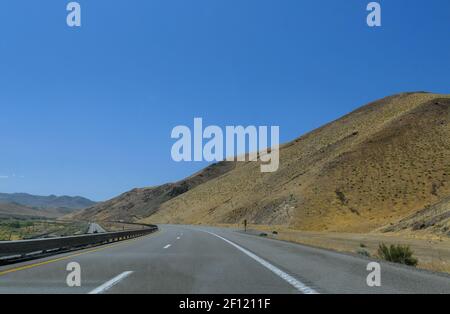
(89, 111)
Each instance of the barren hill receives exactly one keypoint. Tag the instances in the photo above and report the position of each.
(372, 167)
(434, 218)
(44, 202)
(27, 205)
(18, 210)
(140, 203)
(366, 171)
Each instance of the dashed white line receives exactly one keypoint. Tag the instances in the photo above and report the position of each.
(286, 277)
(178, 238)
(168, 246)
(109, 284)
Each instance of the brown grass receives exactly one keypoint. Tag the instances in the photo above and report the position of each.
(432, 251)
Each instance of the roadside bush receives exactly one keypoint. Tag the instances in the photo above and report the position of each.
(363, 252)
(397, 254)
(14, 225)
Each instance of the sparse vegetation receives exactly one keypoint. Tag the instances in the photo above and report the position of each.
(24, 228)
(13, 225)
(401, 254)
(341, 197)
(363, 252)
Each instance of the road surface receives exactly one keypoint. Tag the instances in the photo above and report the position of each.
(198, 260)
(95, 228)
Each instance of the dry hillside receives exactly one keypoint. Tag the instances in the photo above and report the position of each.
(18, 210)
(381, 167)
(434, 218)
(27, 205)
(44, 202)
(139, 203)
(367, 170)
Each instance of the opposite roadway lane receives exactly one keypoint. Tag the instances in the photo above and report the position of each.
(95, 228)
(193, 259)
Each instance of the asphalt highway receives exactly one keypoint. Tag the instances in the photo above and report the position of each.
(95, 228)
(202, 260)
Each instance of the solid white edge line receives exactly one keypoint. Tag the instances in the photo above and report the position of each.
(111, 283)
(286, 277)
(167, 246)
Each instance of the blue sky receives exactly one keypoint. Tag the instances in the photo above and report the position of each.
(89, 111)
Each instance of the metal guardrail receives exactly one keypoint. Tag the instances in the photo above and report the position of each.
(23, 248)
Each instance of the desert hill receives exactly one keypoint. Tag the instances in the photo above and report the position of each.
(22, 211)
(369, 170)
(433, 218)
(140, 203)
(27, 205)
(373, 167)
(51, 201)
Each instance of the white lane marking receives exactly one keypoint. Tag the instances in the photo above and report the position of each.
(109, 284)
(167, 246)
(178, 238)
(286, 277)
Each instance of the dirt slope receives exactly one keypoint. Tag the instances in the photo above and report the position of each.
(18, 210)
(367, 170)
(434, 219)
(139, 203)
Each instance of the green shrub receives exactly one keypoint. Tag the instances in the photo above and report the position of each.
(14, 225)
(397, 254)
(363, 252)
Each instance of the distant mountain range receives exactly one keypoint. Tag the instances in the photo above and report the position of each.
(382, 167)
(23, 204)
